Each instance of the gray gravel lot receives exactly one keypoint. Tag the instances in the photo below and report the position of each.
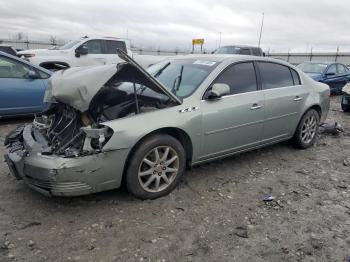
(215, 214)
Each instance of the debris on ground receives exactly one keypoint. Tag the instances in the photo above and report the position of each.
(241, 232)
(268, 198)
(331, 129)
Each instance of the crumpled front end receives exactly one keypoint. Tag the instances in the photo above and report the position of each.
(64, 162)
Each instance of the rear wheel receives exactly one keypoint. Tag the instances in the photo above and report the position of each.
(156, 167)
(306, 132)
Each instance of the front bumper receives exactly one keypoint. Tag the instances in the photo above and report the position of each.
(62, 176)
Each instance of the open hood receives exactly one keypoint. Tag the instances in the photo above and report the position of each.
(78, 86)
(158, 87)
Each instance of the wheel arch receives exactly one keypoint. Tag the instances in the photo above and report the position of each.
(175, 132)
(316, 107)
(54, 65)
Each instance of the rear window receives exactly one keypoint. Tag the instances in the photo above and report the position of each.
(111, 46)
(257, 52)
(296, 78)
(275, 75)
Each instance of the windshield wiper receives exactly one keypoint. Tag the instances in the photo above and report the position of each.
(161, 70)
(177, 81)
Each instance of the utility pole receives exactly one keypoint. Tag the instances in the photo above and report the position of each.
(261, 28)
(220, 39)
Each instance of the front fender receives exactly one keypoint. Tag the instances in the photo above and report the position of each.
(128, 131)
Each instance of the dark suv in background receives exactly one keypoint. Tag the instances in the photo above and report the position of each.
(239, 50)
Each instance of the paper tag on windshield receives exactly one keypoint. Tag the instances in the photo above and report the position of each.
(202, 62)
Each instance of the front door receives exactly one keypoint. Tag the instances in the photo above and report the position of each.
(335, 78)
(234, 122)
(19, 93)
(95, 54)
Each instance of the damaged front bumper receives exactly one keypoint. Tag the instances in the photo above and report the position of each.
(55, 175)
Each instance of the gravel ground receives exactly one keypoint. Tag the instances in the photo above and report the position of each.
(215, 214)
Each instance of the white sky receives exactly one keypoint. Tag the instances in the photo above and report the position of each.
(297, 25)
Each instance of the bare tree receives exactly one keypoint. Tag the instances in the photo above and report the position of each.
(53, 40)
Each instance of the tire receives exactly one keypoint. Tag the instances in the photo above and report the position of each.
(146, 169)
(345, 107)
(306, 132)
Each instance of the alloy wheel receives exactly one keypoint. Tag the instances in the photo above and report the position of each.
(308, 130)
(158, 169)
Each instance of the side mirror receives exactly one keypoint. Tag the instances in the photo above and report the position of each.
(32, 75)
(218, 90)
(81, 50)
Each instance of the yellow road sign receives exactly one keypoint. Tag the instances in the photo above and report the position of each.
(197, 41)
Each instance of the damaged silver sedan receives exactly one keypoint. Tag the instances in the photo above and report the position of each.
(108, 124)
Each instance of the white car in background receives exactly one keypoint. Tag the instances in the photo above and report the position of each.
(86, 51)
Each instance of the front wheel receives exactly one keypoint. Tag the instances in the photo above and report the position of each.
(306, 132)
(155, 167)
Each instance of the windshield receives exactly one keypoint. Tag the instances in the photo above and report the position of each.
(182, 77)
(69, 45)
(227, 50)
(312, 68)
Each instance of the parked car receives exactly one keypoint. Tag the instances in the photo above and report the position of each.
(8, 49)
(109, 124)
(86, 51)
(239, 50)
(335, 75)
(345, 101)
(22, 86)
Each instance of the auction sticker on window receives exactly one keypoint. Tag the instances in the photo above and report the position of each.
(202, 62)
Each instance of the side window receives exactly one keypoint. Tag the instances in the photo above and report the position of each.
(275, 75)
(245, 51)
(296, 77)
(240, 77)
(332, 69)
(13, 69)
(256, 51)
(111, 46)
(341, 69)
(94, 46)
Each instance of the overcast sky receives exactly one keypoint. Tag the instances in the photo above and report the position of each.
(297, 25)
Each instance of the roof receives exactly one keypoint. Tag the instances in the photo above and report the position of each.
(241, 46)
(319, 62)
(228, 57)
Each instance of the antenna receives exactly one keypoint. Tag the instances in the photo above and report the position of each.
(261, 29)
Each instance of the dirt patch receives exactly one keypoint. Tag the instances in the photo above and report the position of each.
(216, 214)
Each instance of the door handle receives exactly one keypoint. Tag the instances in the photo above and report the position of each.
(298, 98)
(255, 107)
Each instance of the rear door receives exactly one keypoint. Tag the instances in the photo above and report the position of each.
(284, 99)
(111, 47)
(233, 122)
(19, 94)
(334, 78)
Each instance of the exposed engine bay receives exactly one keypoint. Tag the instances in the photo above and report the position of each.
(70, 132)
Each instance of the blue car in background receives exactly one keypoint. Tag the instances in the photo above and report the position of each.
(335, 75)
(22, 86)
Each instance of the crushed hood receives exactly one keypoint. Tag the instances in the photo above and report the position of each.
(77, 86)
